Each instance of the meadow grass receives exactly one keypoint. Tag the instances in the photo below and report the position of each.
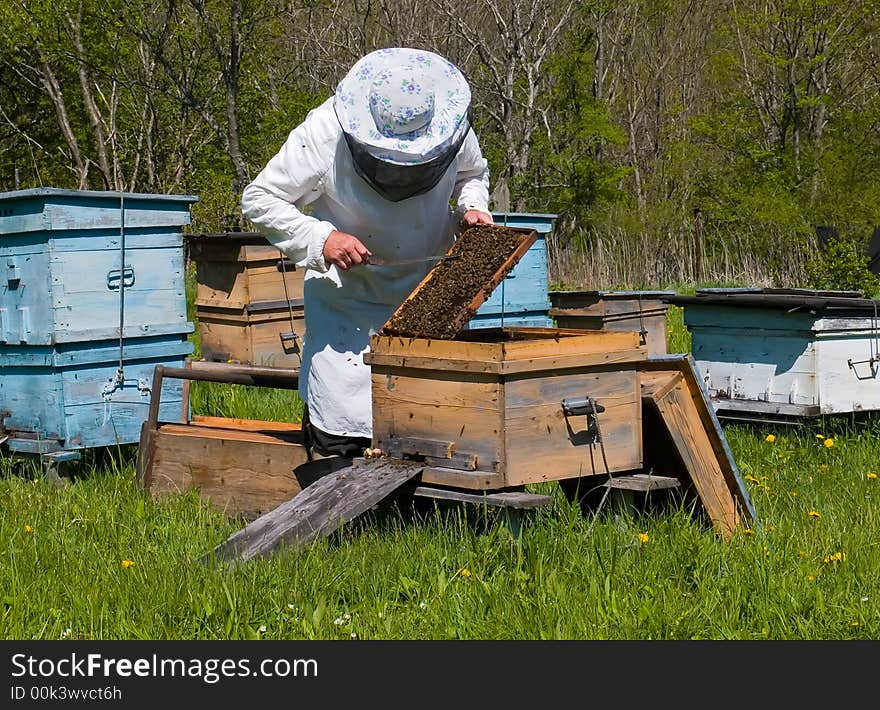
(99, 559)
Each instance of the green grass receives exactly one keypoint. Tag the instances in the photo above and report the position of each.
(805, 569)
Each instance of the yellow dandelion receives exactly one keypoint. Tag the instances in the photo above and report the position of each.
(836, 557)
(127, 563)
(770, 438)
(751, 479)
(643, 537)
(28, 529)
(748, 531)
(872, 476)
(811, 578)
(814, 514)
(464, 572)
(793, 494)
(855, 623)
(819, 437)
(828, 443)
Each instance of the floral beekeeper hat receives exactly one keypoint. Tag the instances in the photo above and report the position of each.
(404, 113)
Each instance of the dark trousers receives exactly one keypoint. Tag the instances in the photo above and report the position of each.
(327, 453)
(325, 444)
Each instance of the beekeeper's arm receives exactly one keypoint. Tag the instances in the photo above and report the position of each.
(471, 192)
(290, 181)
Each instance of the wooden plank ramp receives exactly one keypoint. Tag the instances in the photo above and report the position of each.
(672, 388)
(319, 509)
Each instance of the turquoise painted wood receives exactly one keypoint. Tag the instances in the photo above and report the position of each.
(772, 361)
(60, 277)
(497, 320)
(61, 270)
(521, 298)
(67, 396)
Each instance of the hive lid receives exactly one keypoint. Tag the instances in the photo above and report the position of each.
(237, 238)
(614, 294)
(77, 212)
(58, 192)
(790, 300)
(449, 296)
(781, 292)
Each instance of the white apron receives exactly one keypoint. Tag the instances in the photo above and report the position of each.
(344, 308)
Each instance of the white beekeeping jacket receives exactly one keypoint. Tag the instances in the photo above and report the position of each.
(344, 308)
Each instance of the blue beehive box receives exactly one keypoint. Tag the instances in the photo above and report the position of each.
(521, 298)
(63, 264)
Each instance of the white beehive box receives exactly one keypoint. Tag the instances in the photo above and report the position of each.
(788, 353)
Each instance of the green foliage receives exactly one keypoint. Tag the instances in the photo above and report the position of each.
(571, 174)
(843, 267)
(762, 116)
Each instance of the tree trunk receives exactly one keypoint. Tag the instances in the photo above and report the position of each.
(94, 114)
(50, 84)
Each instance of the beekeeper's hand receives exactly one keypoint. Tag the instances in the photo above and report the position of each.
(345, 250)
(472, 217)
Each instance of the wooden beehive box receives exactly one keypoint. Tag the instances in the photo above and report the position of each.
(63, 267)
(266, 333)
(241, 466)
(234, 269)
(249, 300)
(521, 297)
(643, 312)
(785, 353)
(60, 251)
(488, 410)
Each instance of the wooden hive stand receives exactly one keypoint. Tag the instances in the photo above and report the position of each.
(243, 467)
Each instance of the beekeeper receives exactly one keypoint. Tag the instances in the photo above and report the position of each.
(373, 172)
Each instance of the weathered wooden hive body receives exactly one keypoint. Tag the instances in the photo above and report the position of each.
(60, 313)
(506, 407)
(249, 300)
(788, 353)
(643, 312)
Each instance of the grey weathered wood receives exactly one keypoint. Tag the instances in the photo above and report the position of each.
(434, 453)
(506, 499)
(642, 482)
(400, 446)
(320, 509)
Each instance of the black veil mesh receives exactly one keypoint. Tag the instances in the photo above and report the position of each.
(400, 182)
